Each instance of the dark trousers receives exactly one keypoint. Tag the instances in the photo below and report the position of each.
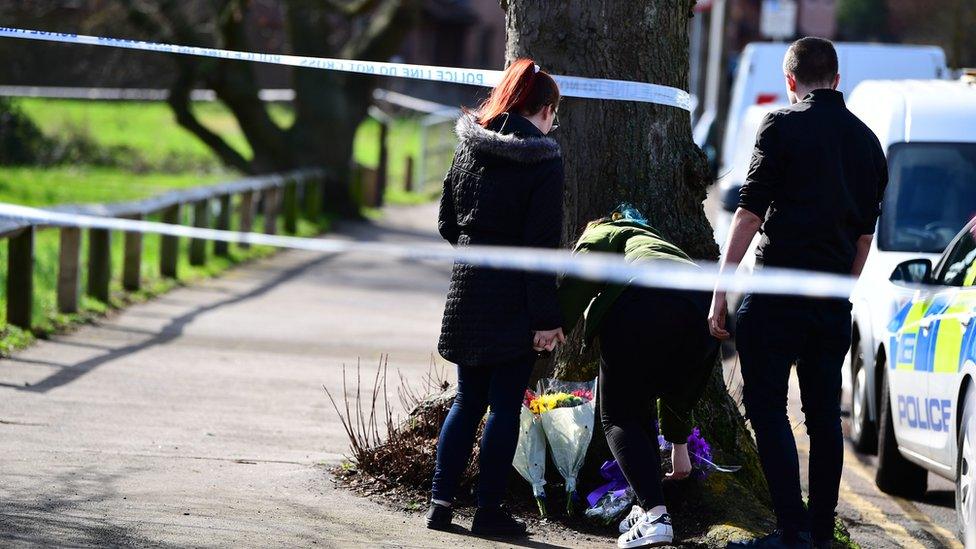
(773, 333)
(501, 387)
(644, 339)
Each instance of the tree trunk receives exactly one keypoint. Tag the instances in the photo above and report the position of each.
(642, 153)
(329, 106)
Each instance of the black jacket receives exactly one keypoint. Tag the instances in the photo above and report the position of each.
(505, 188)
(820, 173)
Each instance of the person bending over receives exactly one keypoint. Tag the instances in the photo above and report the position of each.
(654, 344)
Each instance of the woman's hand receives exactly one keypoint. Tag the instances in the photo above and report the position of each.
(546, 340)
(680, 462)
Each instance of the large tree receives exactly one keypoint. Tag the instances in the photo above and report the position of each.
(641, 153)
(329, 106)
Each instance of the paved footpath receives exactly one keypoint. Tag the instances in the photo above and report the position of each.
(199, 418)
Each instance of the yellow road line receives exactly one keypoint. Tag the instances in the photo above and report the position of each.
(871, 514)
(947, 538)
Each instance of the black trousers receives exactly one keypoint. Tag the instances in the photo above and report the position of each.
(645, 339)
(773, 334)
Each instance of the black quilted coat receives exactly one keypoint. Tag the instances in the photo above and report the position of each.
(505, 188)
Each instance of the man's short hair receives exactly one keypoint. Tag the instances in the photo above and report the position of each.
(811, 61)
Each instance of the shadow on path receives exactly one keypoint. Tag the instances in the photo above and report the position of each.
(171, 331)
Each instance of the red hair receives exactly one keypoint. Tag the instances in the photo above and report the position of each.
(524, 89)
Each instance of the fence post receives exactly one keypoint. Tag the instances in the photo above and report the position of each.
(247, 215)
(99, 264)
(169, 247)
(201, 219)
(381, 169)
(222, 248)
(69, 257)
(408, 175)
(132, 262)
(313, 197)
(20, 278)
(291, 206)
(271, 210)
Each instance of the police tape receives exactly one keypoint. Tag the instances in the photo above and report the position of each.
(571, 86)
(601, 267)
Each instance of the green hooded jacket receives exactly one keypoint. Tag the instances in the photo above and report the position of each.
(636, 242)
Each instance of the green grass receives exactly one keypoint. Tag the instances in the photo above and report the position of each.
(149, 130)
(147, 127)
(35, 186)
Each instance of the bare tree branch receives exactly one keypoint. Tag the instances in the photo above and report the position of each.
(179, 101)
(351, 8)
(385, 31)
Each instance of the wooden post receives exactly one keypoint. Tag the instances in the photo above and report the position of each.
(271, 210)
(69, 258)
(313, 198)
(132, 262)
(408, 174)
(20, 278)
(247, 215)
(201, 219)
(222, 248)
(381, 169)
(169, 247)
(291, 206)
(99, 264)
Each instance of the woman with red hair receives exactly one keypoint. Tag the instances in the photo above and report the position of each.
(504, 188)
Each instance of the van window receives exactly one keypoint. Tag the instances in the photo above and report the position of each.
(931, 195)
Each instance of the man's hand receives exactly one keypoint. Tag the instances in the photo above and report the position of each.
(716, 316)
(546, 340)
(680, 462)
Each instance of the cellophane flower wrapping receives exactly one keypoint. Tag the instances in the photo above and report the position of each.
(567, 412)
(530, 453)
(611, 507)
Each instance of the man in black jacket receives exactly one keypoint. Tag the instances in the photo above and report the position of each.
(814, 187)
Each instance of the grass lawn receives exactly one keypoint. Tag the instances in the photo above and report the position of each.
(149, 129)
(34, 186)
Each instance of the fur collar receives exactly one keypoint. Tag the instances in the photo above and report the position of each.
(526, 150)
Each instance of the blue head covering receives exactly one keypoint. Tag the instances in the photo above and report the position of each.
(628, 212)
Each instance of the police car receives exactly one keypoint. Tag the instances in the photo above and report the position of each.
(928, 413)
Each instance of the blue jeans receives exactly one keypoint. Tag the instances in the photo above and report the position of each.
(773, 333)
(502, 387)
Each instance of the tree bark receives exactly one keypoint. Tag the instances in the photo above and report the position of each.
(642, 153)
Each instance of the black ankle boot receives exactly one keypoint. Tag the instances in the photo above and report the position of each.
(496, 521)
(439, 517)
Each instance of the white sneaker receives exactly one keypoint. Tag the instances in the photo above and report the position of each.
(648, 532)
(636, 513)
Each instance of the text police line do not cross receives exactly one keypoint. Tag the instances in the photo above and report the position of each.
(570, 86)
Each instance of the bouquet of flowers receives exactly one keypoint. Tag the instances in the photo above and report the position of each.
(530, 454)
(567, 412)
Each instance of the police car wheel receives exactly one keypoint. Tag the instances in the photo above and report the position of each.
(896, 475)
(863, 434)
(966, 469)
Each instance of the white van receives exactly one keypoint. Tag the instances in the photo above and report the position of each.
(759, 78)
(928, 130)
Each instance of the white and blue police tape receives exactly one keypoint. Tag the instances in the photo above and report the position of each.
(595, 266)
(571, 86)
